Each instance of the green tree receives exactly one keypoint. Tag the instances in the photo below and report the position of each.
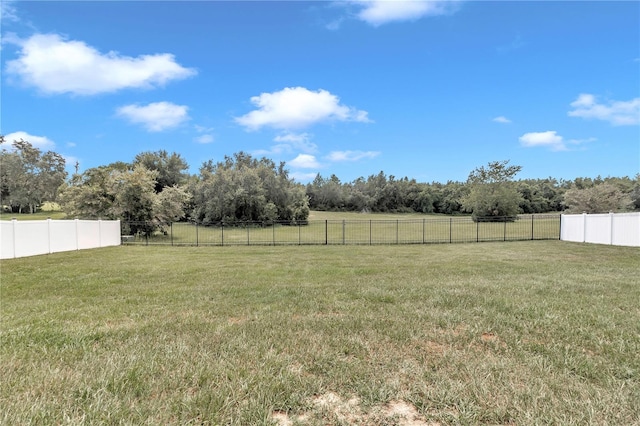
(118, 191)
(89, 195)
(600, 198)
(28, 176)
(171, 168)
(242, 188)
(493, 194)
(170, 204)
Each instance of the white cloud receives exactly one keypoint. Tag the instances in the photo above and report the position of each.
(204, 139)
(618, 113)
(549, 139)
(155, 117)
(338, 156)
(379, 12)
(502, 119)
(303, 177)
(203, 129)
(8, 11)
(298, 107)
(56, 66)
(40, 142)
(305, 161)
(205, 134)
(299, 141)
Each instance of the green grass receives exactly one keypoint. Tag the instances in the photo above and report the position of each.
(362, 229)
(48, 210)
(525, 333)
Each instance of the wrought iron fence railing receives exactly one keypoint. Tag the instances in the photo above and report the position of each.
(431, 230)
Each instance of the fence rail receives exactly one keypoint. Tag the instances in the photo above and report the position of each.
(350, 232)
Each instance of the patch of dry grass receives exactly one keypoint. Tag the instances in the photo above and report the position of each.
(497, 333)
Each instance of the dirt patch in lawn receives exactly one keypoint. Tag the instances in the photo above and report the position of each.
(331, 408)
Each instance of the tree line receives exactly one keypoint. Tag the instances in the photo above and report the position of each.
(156, 189)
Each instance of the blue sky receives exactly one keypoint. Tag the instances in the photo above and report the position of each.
(428, 90)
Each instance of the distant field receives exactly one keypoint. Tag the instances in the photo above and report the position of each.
(48, 211)
(35, 216)
(516, 333)
(361, 229)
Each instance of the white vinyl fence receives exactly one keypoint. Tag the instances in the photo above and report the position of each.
(34, 237)
(620, 229)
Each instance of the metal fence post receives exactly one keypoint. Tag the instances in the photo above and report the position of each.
(222, 233)
(532, 220)
(560, 228)
(343, 236)
(370, 236)
(505, 230)
(171, 231)
(326, 232)
(450, 230)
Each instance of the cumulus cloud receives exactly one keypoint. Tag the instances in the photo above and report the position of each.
(302, 176)
(205, 134)
(299, 141)
(379, 12)
(204, 139)
(296, 108)
(549, 139)
(618, 113)
(155, 117)
(305, 161)
(55, 65)
(340, 156)
(40, 142)
(502, 119)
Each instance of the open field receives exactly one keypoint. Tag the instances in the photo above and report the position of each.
(41, 215)
(516, 333)
(360, 229)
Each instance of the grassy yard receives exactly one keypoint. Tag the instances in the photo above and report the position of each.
(522, 333)
(362, 229)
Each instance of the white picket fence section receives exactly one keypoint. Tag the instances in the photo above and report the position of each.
(620, 229)
(33, 237)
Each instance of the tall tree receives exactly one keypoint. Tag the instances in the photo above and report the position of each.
(600, 198)
(127, 193)
(493, 195)
(242, 188)
(171, 168)
(28, 177)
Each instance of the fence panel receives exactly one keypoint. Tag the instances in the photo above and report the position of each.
(612, 228)
(597, 229)
(35, 237)
(63, 236)
(625, 229)
(7, 237)
(31, 238)
(356, 232)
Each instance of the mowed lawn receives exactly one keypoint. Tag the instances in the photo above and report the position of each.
(516, 333)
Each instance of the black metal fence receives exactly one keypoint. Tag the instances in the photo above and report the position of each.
(432, 230)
